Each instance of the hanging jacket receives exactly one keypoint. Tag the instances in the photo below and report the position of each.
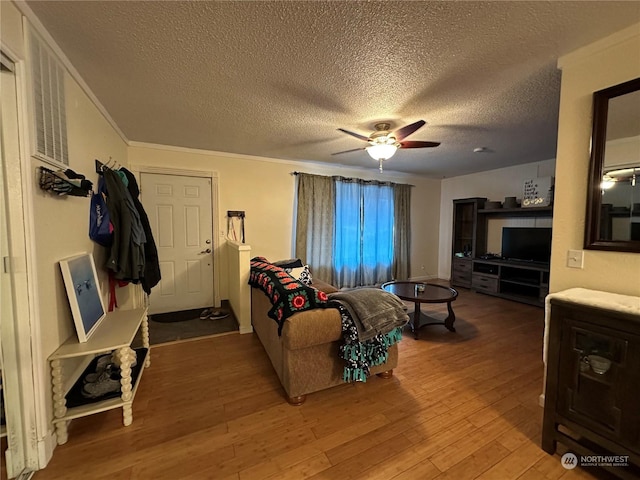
(151, 275)
(126, 256)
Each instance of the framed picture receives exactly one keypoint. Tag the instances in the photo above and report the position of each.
(81, 282)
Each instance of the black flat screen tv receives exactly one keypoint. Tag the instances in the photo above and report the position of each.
(526, 244)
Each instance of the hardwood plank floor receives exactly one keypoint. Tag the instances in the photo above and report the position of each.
(460, 406)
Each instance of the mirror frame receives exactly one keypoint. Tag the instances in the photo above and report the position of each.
(592, 239)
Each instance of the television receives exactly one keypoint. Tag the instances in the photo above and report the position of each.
(527, 244)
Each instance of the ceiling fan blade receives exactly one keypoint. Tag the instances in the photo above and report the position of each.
(349, 151)
(353, 134)
(408, 130)
(418, 144)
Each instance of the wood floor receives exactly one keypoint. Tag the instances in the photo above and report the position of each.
(460, 406)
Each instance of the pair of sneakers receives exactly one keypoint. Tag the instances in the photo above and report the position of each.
(105, 379)
(103, 364)
(105, 383)
(213, 314)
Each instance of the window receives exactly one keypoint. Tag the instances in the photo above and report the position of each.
(353, 232)
(363, 241)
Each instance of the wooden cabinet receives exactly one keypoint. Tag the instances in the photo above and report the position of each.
(590, 411)
(466, 235)
(114, 334)
(461, 272)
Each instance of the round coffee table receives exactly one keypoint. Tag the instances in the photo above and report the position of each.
(431, 294)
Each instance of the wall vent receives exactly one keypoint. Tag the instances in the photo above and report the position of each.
(47, 76)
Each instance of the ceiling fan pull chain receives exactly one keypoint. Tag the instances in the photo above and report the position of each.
(380, 165)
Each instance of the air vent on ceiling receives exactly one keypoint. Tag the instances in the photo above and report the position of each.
(49, 104)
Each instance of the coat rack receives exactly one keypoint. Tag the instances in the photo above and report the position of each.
(112, 164)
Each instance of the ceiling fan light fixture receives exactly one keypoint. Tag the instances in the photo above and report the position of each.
(383, 143)
(607, 182)
(382, 151)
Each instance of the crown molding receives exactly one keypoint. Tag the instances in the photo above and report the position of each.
(599, 45)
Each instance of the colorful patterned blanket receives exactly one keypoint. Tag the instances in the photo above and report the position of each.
(372, 321)
(360, 356)
(287, 295)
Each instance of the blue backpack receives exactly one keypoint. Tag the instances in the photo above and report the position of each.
(100, 229)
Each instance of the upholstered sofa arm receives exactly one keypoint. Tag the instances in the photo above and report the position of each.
(303, 329)
(323, 286)
(314, 327)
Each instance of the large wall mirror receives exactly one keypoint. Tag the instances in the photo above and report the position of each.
(613, 203)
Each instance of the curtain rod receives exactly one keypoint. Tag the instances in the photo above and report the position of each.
(348, 178)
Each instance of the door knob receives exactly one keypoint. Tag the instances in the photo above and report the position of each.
(208, 250)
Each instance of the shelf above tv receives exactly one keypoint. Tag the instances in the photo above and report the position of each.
(518, 212)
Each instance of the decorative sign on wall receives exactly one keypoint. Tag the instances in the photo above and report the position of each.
(538, 192)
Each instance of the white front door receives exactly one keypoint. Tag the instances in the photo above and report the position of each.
(180, 213)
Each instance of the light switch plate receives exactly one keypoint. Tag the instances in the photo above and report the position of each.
(575, 259)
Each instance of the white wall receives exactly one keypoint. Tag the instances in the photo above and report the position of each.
(11, 28)
(611, 61)
(494, 185)
(265, 189)
(62, 223)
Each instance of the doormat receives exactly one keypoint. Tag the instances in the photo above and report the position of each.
(172, 317)
(169, 327)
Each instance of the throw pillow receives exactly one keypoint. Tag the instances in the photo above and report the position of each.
(289, 263)
(302, 274)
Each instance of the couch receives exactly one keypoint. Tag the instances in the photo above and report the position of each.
(305, 355)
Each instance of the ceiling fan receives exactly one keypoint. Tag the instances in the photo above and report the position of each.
(383, 143)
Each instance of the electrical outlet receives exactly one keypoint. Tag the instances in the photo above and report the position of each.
(575, 259)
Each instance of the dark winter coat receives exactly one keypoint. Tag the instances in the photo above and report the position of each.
(126, 255)
(151, 275)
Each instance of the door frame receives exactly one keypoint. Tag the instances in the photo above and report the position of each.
(28, 357)
(137, 170)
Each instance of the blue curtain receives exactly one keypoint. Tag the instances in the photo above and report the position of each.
(363, 242)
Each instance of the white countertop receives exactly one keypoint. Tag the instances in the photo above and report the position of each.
(592, 298)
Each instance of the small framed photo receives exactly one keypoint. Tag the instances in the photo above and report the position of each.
(81, 283)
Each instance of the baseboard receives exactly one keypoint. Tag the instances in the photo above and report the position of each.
(248, 329)
(46, 446)
(423, 278)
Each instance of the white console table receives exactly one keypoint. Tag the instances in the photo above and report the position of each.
(114, 334)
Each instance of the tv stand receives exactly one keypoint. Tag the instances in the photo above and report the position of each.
(526, 282)
(472, 266)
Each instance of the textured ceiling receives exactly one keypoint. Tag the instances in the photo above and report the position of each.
(277, 78)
